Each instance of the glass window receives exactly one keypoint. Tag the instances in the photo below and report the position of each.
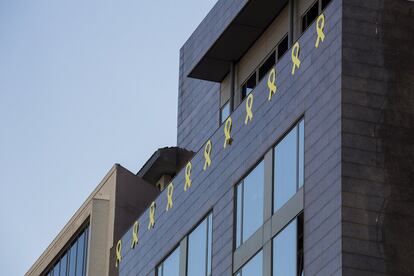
(267, 65)
(199, 249)
(248, 86)
(80, 257)
(282, 47)
(225, 112)
(309, 16)
(72, 260)
(288, 166)
(63, 263)
(285, 251)
(288, 250)
(171, 265)
(325, 3)
(249, 200)
(254, 267)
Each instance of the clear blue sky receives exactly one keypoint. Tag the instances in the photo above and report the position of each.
(83, 85)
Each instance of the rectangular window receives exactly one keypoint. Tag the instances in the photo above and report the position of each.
(288, 165)
(225, 112)
(310, 15)
(171, 265)
(288, 250)
(283, 47)
(254, 267)
(267, 65)
(248, 86)
(249, 215)
(199, 249)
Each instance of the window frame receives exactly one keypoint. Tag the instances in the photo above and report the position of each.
(240, 182)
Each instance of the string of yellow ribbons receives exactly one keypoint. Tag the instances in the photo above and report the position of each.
(271, 83)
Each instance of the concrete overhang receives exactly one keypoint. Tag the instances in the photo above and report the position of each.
(236, 39)
(165, 161)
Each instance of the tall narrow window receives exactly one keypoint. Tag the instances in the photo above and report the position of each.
(249, 204)
(248, 86)
(267, 65)
(309, 16)
(63, 267)
(288, 250)
(72, 260)
(288, 166)
(282, 46)
(224, 112)
(171, 265)
(199, 249)
(254, 267)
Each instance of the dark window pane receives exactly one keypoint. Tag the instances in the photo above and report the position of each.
(310, 16)
(254, 267)
(285, 169)
(301, 152)
(197, 251)
(225, 112)
(80, 257)
(284, 251)
(171, 265)
(249, 86)
(325, 3)
(63, 265)
(72, 260)
(250, 204)
(267, 65)
(282, 47)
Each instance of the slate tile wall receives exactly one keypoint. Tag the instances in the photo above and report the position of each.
(378, 137)
(313, 92)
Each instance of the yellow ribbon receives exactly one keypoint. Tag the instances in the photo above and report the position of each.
(227, 132)
(249, 112)
(187, 184)
(135, 234)
(271, 83)
(295, 57)
(170, 192)
(207, 154)
(320, 25)
(152, 216)
(118, 253)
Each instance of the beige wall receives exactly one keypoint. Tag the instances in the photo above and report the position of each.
(262, 47)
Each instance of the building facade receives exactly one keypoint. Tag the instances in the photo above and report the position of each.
(300, 169)
(295, 151)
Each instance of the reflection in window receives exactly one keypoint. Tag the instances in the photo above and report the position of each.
(171, 265)
(249, 215)
(309, 16)
(288, 250)
(248, 86)
(267, 65)
(288, 166)
(72, 261)
(224, 112)
(199, 249)
(254, 267)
